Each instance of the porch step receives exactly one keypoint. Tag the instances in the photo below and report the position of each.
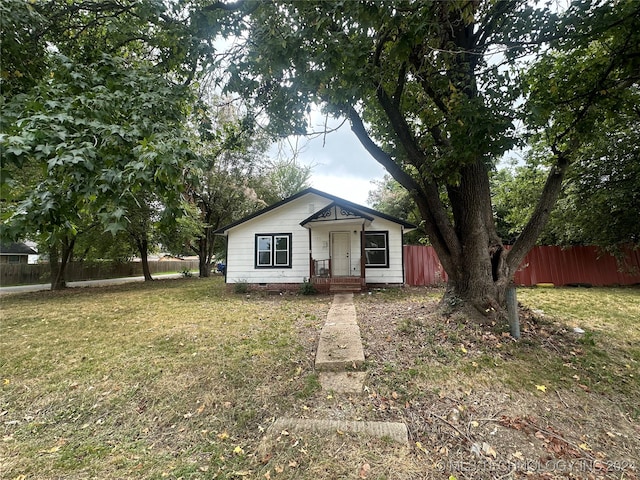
(345, 287)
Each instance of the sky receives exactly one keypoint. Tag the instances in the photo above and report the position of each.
(340, 164)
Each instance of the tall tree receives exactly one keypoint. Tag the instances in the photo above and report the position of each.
(430, 89)
(281, 179)
(85, 96)
(102, 134)
(219, 184)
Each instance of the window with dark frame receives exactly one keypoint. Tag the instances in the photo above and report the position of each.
(376, 249)
(273, 250)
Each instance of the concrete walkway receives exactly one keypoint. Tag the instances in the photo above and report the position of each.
(340, 346)
(340, 356)
(391, 430)
(339, 360)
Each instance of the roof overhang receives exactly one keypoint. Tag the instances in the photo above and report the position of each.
(364, 213)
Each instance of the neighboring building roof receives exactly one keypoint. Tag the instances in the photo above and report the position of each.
(16, 249)
(333, 198)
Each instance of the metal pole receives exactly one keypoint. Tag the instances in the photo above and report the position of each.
(512, 311)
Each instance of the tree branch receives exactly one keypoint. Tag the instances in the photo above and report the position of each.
(382, 157)
(438, 225)
(527, 239)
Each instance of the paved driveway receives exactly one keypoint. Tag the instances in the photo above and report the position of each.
(86, 283)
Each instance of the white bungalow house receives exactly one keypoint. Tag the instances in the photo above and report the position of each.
(313, 236)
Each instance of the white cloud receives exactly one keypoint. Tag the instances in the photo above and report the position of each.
(350, 188)
(341, 165)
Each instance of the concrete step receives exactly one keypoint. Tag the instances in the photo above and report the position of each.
(345, 287)
(342, 382)
(394, 431)
(339, 348)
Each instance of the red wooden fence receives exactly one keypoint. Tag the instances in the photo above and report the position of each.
(545, 264)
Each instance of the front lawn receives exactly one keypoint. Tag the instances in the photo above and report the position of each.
(180, 379)
(164, 380)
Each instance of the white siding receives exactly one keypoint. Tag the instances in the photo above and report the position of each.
(394, 273)
(285, 219)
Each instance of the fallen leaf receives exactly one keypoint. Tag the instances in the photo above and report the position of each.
(364, 470)
(420, 447)
(585, 447)
(488, 450)
(475, 424)
(518, 455)
(268, 475)
(238, 450)
(293, 464)
(542, 388)
(462, 349)
(223, 436)
(278, 468)
(51, 450)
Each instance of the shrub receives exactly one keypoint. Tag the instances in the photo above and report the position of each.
(241, 286)
(307, 288)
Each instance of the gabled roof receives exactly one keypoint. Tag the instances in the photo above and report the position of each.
(365, 211)
(16, 249)
(330, 212)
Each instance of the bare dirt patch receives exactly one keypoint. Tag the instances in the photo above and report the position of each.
(479, 405)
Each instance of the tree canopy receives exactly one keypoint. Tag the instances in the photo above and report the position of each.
(438, 91)
(98, 98)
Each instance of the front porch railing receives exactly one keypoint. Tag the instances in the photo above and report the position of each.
(321, 268)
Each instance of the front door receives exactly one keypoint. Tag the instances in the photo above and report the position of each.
(340, 253)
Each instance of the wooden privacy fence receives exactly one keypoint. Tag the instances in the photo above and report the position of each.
(544, 264)
(23, 274)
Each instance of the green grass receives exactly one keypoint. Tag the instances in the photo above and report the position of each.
(606, 358)
(180, 378)
(145, 381)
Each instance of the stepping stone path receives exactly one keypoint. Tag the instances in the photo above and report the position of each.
(340, 354)
(338, 360)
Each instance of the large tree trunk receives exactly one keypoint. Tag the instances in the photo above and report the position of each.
(205, 250)
(56, 272)
(58, 261)
(472, 256)
(143, 248)
(204, 265)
